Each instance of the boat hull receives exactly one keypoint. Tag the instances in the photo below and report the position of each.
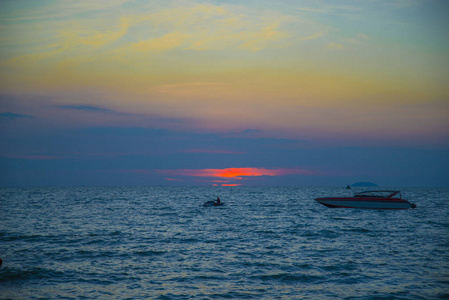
(366, 203)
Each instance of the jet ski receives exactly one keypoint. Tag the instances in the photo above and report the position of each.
(213, 203)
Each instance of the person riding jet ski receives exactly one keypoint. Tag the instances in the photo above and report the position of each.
(214, 202)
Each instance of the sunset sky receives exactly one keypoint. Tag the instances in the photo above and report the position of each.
(225, 92)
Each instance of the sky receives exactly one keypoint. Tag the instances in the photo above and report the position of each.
(224, 93)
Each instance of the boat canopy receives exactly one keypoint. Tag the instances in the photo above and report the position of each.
(379, 194)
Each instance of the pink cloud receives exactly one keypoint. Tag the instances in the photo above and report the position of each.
(172, 179)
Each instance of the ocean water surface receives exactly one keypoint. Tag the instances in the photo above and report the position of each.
(265, 243)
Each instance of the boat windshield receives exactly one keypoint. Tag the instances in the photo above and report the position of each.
(379, 194)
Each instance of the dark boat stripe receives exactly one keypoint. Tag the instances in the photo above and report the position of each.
(339, 206)
(364, 200)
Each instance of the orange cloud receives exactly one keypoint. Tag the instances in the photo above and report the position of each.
(236, 173)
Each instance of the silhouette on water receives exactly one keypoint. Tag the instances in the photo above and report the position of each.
(214, 202)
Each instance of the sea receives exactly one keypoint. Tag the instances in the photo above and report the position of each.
(264, 243)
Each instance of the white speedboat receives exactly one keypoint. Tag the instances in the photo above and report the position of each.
(369, 200)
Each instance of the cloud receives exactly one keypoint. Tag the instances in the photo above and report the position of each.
(168, 41)
(251, 132)
(85, 108)
(206, 27)
(260, 40)
(60, 10)
(231, 176)
(100, 38)
(172, 179)
(38, 156)
(12, 116)
(349, 42)
(236, 173)
(212, 151)
(182, 24)
(193, 89)
(334, 45)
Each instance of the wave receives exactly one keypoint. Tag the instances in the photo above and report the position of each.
(8, 274)
(149, 252)
(288, 277)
